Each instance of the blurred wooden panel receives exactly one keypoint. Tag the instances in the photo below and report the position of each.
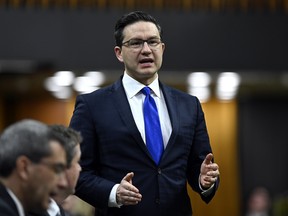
(210, 5)
(50, 111)
(221, 119)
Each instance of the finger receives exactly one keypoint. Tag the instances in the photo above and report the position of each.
(130, 202)
(208, 159)
(129, 177)
(130, 198)
(214, 166)
(208, 181)
(127, 185)
(213, 173)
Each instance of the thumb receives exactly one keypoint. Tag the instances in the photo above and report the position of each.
(208, 159)
(128, 177)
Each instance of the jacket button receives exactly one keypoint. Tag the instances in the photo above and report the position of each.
(157, 201)
(159, 171)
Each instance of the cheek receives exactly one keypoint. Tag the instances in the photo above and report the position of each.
(73, 175)
(39, 194)
(129, 59)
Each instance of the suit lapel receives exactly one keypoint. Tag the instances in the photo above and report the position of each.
(122, 105)
(171, 103)
(8, 199)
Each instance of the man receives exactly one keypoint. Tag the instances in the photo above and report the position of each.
(32, 163)
(73, 139)
(120, 174)
(72, 142)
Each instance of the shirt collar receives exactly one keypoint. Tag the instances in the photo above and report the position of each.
(17, 202)
(133, 87)
(53, 208)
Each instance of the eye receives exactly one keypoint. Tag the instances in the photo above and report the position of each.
(59, 168)
(153, 42)
(135, 42)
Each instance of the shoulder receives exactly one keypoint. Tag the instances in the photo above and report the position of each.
(102, 92)
(6, 209)
(174, 92)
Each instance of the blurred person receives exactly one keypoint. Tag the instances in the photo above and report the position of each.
(259, 203)
(72, 140)
(122, 173)
(32, 164)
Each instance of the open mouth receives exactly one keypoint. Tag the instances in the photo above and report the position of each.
(52, 194)
(145, 61)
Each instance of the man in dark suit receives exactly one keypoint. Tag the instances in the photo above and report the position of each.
(120, 175)
(7, 205)
(32, 164)
(72, 142)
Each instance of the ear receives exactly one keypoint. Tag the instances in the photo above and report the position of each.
(23, 167)
(163, 47)
(118, 53)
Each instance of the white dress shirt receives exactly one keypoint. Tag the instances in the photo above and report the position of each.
(136, 99)
(53, 209)
(17, 202)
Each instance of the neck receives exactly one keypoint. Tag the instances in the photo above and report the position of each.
(14, 185)
(145, 79)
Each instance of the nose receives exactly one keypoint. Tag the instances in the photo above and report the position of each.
(146, 47)
(62, 180)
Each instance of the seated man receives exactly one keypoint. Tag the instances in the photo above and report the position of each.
(72, 146)
(32, 165)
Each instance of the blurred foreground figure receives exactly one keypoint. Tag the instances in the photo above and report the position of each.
(72, 140)
(259, 203)
(32, 164)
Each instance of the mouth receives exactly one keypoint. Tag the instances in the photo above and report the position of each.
(146, 61)
(52, 194)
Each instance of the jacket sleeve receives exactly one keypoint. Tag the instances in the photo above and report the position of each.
(90, 186)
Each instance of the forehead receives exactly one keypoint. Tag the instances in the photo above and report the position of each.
(140, 29)
(58, 153)
(77, 152)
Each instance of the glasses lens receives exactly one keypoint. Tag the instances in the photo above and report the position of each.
(57, 168)
(138, 43)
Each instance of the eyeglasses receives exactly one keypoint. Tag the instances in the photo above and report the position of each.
(57, 168)
(139, 43)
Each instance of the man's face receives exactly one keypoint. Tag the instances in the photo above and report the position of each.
(72, 175)
(142, 63)
(45, 178)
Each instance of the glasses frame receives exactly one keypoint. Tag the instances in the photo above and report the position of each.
(141, 42)
(57, 168)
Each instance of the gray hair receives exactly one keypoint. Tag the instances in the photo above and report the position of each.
(71, 138)
(27, 137)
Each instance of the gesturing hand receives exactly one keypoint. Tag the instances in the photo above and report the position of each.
(127, 193)
(209, 172)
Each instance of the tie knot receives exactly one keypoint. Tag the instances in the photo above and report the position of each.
(145, 90)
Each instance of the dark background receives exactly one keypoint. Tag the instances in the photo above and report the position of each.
(83, 39)
(256, 43)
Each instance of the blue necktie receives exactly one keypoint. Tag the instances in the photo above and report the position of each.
(154, 140)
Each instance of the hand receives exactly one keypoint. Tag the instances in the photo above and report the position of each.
(209, 172)
(127, 193)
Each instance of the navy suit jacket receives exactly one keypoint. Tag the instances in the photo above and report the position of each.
(7, 204)
(113, 146)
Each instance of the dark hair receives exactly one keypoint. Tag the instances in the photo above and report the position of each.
(131, 18)
(70, 137)
(27, 137)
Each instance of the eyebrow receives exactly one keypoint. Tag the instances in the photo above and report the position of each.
(152, 37)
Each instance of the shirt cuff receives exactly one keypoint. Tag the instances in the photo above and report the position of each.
(112, 197)
(206, 192)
